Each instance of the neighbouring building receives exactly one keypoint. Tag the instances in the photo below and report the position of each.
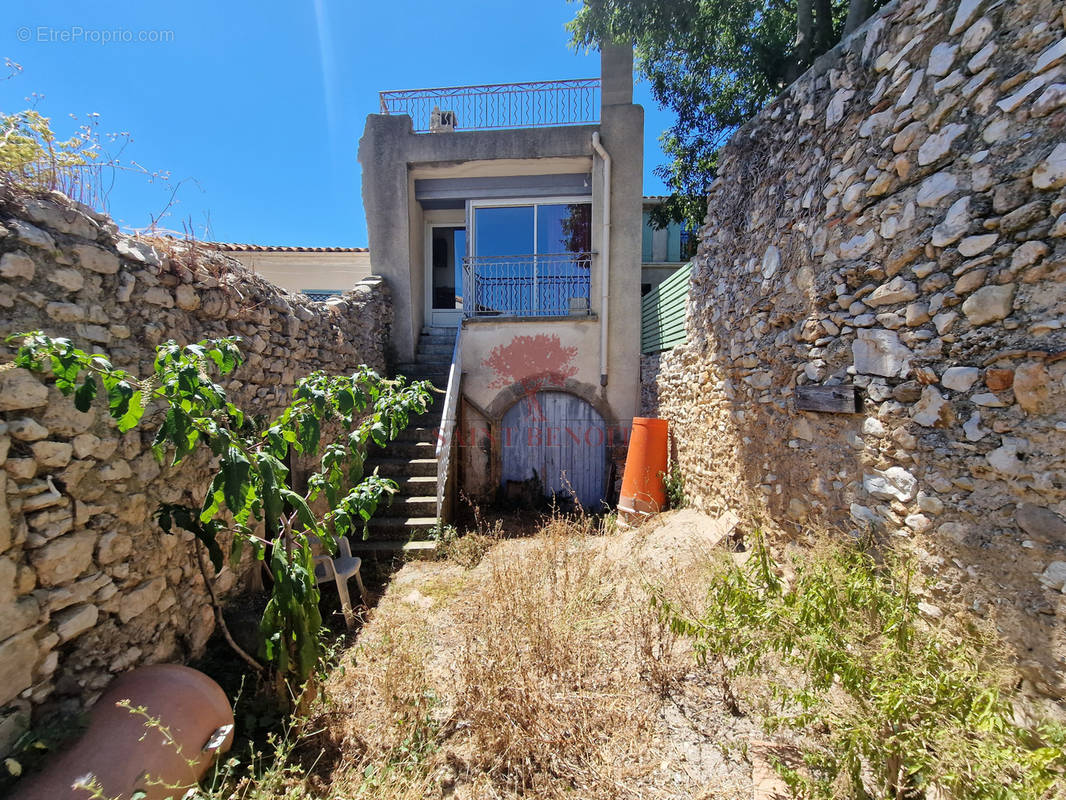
(507, 222)
(662, 250)
(318, 272)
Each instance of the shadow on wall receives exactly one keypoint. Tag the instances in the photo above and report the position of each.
(896, 221)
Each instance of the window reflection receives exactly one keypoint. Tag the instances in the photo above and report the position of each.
(530, 259)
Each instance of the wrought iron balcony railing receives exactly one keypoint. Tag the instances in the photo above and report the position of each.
(499, 105)
(552, 285)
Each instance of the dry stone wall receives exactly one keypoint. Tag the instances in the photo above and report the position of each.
(89, 585)
(896, 221)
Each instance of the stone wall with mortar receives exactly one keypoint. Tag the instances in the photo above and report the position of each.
(649, 386)
(89, 585)
(896, 221)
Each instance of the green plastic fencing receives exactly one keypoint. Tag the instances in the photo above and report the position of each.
(662, 313)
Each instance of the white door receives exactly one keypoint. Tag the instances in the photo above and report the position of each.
(563, 440)
(445, 250)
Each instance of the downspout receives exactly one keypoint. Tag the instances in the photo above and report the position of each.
(605, 254)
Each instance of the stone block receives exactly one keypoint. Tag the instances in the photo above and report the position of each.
(960, 379)
(1041, 524)
(65, 220)
(5, 515)
(113, 547)
(141, 599)
(989, 304)
(1031, 388)
(1051, 172)
(96, 258)
(17, 265)
(18, 656)
(20, 390)
(64, 559)
(14, 722)
(74, 621)
(880, 352)
(932, 410)
(894, 483)
(52, 455)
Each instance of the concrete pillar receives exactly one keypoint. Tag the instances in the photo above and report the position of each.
(622, 134)
(616, 75)
(382, 152)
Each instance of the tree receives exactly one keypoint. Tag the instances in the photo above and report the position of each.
(715, 63)
(249, 503)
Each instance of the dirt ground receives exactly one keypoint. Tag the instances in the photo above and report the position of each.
(543, 671)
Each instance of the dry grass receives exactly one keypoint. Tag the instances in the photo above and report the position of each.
(541, 672)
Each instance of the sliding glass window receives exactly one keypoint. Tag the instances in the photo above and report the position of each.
(530, 259)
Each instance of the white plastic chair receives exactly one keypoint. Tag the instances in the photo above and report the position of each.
(339, 569)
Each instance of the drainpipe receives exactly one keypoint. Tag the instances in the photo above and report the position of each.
(605, 253)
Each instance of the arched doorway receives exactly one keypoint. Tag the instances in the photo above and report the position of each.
(560, 440)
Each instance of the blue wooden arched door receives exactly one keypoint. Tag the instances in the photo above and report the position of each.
(561, 437)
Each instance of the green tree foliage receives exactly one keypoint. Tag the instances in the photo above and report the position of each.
(250, 502)
(714, 63)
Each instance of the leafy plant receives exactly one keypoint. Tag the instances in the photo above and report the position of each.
(85, 165)
(674, 485)
(249, 502)
(904, 706)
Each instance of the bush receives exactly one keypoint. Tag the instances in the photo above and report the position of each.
(674, 485)
(249, 503)
(890, 704)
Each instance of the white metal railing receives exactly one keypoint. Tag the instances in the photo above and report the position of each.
(549, 285)
(500, 105)
(448, 421)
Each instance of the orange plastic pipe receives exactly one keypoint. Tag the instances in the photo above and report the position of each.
(643, 491)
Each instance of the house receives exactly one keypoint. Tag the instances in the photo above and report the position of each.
(662, 250)
(319, 272)
(507, 222)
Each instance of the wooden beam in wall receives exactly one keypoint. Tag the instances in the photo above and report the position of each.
(829, 399)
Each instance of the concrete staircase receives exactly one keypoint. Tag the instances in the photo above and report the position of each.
(411, 459)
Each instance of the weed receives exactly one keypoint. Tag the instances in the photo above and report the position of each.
(896, 706)
(674, 485)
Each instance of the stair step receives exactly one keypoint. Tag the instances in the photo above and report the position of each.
(400, 467)
(438, 346)
(417, 485)
(433, 348)
(412, 547)
(407, 507)
(394, 527)
(417, 371)
(420, 433)
(407, 450)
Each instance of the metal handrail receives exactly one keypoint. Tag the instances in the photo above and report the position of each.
(495, 106)
(539, 285)
(448, 421)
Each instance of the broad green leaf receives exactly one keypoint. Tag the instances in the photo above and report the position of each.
(303, 512)
(86, 393)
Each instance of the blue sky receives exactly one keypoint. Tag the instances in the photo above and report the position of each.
(261, 105)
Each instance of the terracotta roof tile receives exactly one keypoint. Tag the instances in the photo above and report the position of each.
(234, 247)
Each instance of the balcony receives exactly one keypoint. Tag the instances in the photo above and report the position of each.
(500, 105)
(548, 285)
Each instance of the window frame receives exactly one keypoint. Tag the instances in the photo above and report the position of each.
(512, 202)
